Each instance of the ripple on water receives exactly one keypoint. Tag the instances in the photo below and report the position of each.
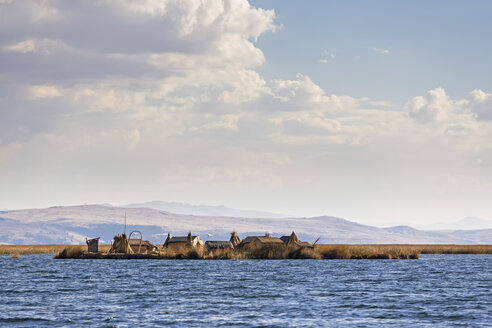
(437, 290)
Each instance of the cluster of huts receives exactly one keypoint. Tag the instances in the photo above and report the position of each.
(249, 243)
(122, 244)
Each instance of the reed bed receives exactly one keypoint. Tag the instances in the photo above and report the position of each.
(397, 250)
(454, 249)
(342, 251)
(40, 249)
(337, 251)
(384, 252)
(70, 252)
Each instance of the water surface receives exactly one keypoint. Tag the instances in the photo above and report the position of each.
(436, 290)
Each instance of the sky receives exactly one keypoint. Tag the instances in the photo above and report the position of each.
(378, 112)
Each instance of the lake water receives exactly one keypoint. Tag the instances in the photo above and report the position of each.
(434, 291)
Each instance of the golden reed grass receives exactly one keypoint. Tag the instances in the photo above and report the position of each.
(453, 249)
(40, 249)
(398, 250)
(367, 252)
(340, 251)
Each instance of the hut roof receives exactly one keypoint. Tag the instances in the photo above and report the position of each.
(285, 239)
(235, 240)
(180, 239)
(289, 240)
(248, 239)
(121, 245)
(270, 240)
(263, 239)
(215, 244)
(136, 242)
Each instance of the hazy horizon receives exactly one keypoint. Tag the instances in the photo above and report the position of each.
(376, 112)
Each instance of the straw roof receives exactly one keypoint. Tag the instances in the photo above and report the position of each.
(179, 239)
(270, 240)
(121, 245)
(235, 240)
(189, 240)
(290, 240)
(215, 244)
(262, 239)
(293, 240)
(136, 242)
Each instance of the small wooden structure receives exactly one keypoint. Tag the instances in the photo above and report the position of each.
(92, 245)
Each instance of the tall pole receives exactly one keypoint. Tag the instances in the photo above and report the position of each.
(125, 222)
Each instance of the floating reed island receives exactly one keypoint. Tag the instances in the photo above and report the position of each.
(177, 248)
(251, 247)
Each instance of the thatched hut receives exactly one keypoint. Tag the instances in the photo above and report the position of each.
(235, 240)
(178, 243)
(140, 246)
(293, 241)
(257, 242)
(121, 245)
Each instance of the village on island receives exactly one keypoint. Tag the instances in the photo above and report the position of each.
(192, 246)
(134, 246)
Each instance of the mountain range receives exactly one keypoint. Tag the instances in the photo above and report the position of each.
(205, 210)
(72, 224)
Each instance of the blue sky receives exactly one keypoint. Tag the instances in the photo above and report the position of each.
(431, 44)
(378, 112)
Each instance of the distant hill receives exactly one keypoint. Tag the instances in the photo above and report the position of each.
(72, 224)
(468, 223)
(204, 210)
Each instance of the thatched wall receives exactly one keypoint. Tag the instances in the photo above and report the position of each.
(121, 245)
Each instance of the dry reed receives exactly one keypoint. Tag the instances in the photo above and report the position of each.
(304, 253)
(40, 249)
(454, 249)
(345, 251)
(270, 252)
(367, 252)
(70, 252)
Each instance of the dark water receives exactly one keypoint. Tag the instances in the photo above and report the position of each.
(435, 291)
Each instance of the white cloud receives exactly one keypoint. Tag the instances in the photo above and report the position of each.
(307, 125)
(248, 86)
(302, 89)
(22, 47)
(480, 103)
(434, 107)
(437, 111)
(45, 46)
(133, 138)
(381, 51)
(177, 106)
(44, 91)
(162, 40)
(112, 100)
(327, 57)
